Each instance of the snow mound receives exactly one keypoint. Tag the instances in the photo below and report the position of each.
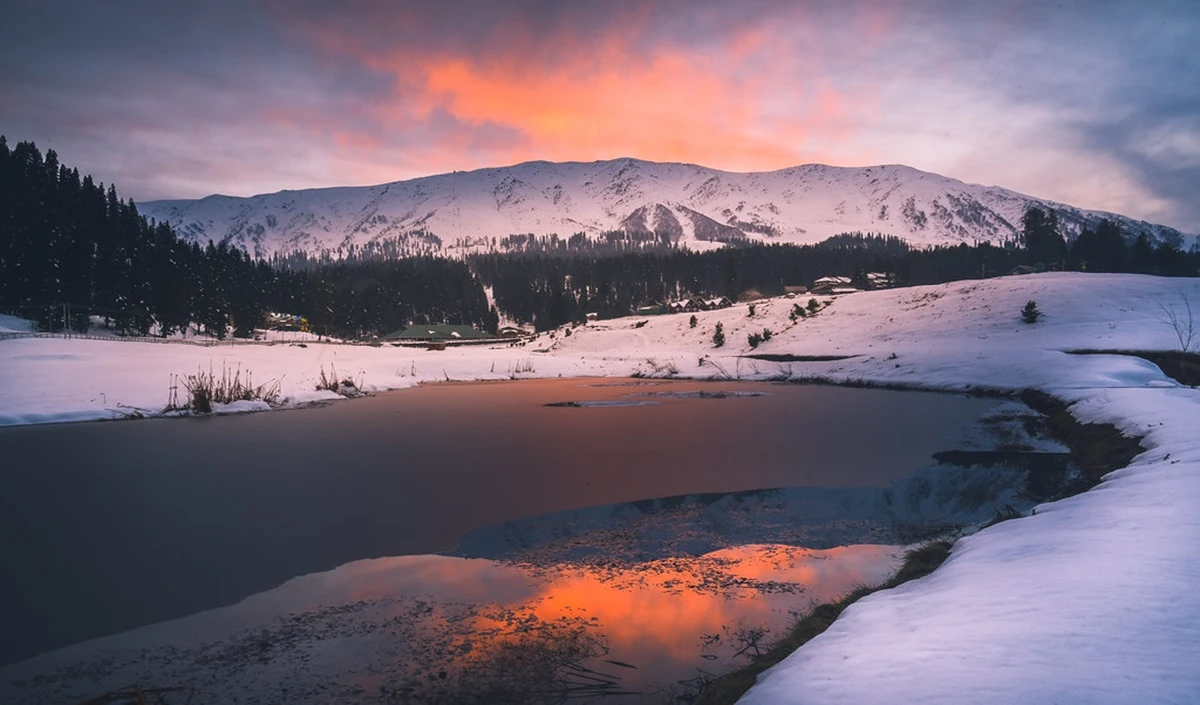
(241, 407)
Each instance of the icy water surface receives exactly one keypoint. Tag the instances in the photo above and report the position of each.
(108, 526)
(452, 630)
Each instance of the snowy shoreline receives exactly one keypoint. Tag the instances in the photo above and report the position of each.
(1029, 610)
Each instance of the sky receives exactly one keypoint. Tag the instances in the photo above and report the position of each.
(1094, 103)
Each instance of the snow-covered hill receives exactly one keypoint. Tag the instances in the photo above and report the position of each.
(695, 205)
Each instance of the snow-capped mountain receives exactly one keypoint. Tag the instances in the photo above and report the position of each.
(694, 205)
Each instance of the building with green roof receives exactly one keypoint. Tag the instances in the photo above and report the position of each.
(437, 332)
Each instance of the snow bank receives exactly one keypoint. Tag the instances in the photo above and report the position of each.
(1093, 598)
(241, 407)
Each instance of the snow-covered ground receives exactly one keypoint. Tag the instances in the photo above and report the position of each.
(1090, 600)
(958, 336)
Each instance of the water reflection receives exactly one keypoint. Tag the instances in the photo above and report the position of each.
(632, 399)
(636, 600)
(701, 394)
(969, 488)
(210, 511)
(439, 628)
(602, 403)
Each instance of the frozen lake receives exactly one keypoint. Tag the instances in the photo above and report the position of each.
(109, 526)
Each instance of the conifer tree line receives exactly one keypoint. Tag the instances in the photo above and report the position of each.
(71, 248)
(548, 287)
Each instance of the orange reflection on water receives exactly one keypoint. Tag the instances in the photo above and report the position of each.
(655, 615)
(665, 605)
(445, 629)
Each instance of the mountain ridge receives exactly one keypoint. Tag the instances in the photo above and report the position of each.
(686, 204)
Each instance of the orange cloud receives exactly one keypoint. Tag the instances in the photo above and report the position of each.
(738, 102)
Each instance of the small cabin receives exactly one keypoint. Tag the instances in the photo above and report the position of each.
(880, 280)
(715, 303)
(826, 285)
(287, 321)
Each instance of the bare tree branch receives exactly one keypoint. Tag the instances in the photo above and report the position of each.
(1181, 320)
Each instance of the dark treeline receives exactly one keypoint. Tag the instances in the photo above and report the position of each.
(604, 244)
(71, 248)
(1104, 248)
(362, 296)
(412, 243)
(549, 287)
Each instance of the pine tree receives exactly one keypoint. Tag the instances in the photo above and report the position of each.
(1042, 238)
(1102, 249)
(1030, 313)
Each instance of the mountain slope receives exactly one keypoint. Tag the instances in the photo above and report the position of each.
(685, 203)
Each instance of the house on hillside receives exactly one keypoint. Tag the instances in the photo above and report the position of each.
(437, 332)
(793, 291)
(683, 306)
(881, 280)
(1022, 269)
(286, 321)
(715, 303)
(828, 285)
(512, 332)
(651, 309)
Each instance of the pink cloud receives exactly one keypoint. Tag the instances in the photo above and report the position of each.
(742, 100)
